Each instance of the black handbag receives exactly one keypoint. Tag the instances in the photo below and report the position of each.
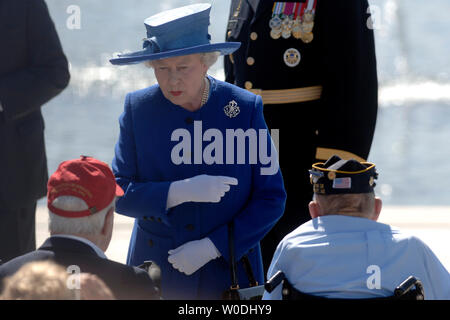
(254, 291)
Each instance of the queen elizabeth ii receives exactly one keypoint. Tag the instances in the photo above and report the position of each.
(183, 208)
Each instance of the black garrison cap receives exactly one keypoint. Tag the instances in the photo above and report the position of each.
(338, 176)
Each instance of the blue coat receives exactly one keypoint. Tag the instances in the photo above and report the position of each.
(144, 169)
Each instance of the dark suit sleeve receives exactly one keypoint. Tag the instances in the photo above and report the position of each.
(46, 74)
(144, 288)
(349, 78)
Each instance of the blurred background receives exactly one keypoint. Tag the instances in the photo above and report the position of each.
(411, 143)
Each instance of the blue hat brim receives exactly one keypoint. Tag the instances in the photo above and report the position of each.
(143, 55)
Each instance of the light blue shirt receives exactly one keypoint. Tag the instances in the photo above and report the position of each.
(349, 257)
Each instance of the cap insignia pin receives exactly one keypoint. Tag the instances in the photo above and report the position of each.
(331, 175)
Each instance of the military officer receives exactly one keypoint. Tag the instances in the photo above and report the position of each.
(313, 62)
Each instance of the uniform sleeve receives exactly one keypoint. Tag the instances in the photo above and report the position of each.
(264, 207)
(229, 69)
(140, 199)
(46, 74)
(350, 87)
(227, 62)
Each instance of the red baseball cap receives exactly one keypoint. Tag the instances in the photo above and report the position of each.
(86, 178)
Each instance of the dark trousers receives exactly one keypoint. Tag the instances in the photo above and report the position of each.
(17, 232)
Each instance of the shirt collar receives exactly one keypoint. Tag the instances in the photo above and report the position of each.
(342, 223)
(97, 250)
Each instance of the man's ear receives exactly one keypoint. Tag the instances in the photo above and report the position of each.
(109, 221)
(377, 208)
(314, 209)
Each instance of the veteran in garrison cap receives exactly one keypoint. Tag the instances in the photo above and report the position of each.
(313, 63)
(343, 252)
(338, 176)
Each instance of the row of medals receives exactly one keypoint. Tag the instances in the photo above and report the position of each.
(300, 28)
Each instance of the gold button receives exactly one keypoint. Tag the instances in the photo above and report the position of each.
(253, 36)
(250, 61)
(229, 34)
(248, 85)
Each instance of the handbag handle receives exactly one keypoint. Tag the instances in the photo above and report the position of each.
(245, 261)
(234, 283)
(249, 271)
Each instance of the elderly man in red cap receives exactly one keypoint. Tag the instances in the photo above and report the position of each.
(81, 202)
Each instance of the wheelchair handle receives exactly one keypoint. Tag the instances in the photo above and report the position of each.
(407, 285)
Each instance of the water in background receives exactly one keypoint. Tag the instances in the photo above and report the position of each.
(413, 48)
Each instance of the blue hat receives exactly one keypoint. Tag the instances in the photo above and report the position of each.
(177, 32)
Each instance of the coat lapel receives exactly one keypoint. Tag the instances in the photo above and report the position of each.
(258, 7)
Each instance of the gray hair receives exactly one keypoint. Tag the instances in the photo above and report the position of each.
(358, 205)
(90, 225)
(208, 58)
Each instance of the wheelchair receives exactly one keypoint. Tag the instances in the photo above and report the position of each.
(410, 289)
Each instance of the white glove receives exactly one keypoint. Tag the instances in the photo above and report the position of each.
(202, 188)
(193, 255)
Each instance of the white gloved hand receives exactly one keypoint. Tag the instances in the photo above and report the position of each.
(202, 188)
(193, 255)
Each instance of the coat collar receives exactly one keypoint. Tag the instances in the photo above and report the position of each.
(71, 244)
(254, 4)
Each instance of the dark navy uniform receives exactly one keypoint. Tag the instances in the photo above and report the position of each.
(321, 94)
